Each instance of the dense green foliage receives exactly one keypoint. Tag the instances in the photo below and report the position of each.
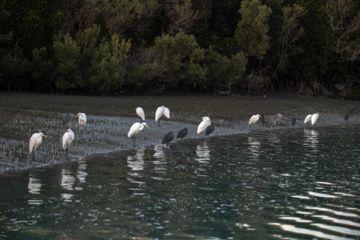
(108, 47)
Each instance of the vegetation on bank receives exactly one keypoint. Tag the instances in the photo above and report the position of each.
(152, 46)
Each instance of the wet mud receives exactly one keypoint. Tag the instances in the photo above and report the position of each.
(110, 118)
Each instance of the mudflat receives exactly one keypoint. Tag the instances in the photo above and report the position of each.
(110, 118)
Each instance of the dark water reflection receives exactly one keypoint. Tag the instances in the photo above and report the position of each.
(290, 184)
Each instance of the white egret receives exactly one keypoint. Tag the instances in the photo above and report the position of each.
(167, 114)
(135, 129)
(140, 112)
(159, 112)
(82, 120)
(314, 118)
(308, 118)
(67, 139)
(35, 141)
(254, 119)
(204, 124)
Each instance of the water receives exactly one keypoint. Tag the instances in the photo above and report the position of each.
(287, 184)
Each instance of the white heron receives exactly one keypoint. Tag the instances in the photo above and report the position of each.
(167, 114)
(82, 120)
(159, 112)
(314, 118)
(308, 118)
(140, 112)
(254, 119)
(67, 139)
(135, 129)
(35, 140)
(204, 124)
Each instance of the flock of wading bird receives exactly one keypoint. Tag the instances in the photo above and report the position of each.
(205, 126)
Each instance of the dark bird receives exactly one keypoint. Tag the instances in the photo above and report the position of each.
(314, 105)
(262, 119)
(293, 120)
(351, 109)
(182, 133)
(209, 130)
(168, 138)
(347, 115)
(67, 118)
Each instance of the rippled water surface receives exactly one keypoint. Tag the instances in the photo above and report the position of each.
(288, 184)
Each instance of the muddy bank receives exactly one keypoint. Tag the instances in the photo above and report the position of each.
(109, 120)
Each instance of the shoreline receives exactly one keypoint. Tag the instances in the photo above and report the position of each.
(109, 120)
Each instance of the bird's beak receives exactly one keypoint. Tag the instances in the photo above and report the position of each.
(147, 126)
(261, 116)
(43, 135)
(76, 115)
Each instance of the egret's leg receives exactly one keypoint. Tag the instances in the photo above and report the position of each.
(159, 123)
(67, 152)
(134, 141)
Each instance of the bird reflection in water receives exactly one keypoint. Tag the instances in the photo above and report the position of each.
(311, 139)
(67, 182)
(202, 152)
(254, 147)
(34, 185)
(81, 174)
(136, 162)
(159, 153)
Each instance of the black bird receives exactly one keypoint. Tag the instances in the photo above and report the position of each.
(262, 119)
(67, 118)
(209, 130)
(314, 105)
(182, 133)
(168, 138)
(347, 115)
(293, 120)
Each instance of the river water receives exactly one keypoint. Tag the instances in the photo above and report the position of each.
(284, 184)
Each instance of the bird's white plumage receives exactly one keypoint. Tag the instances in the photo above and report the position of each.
(167, 112)
(68, 138)
(159, 112)
(254, 119)
(140, 112)
(136, 128)
(308, 118)
(314, 118)
(204, 124)
(35, 141)
(82, 120)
